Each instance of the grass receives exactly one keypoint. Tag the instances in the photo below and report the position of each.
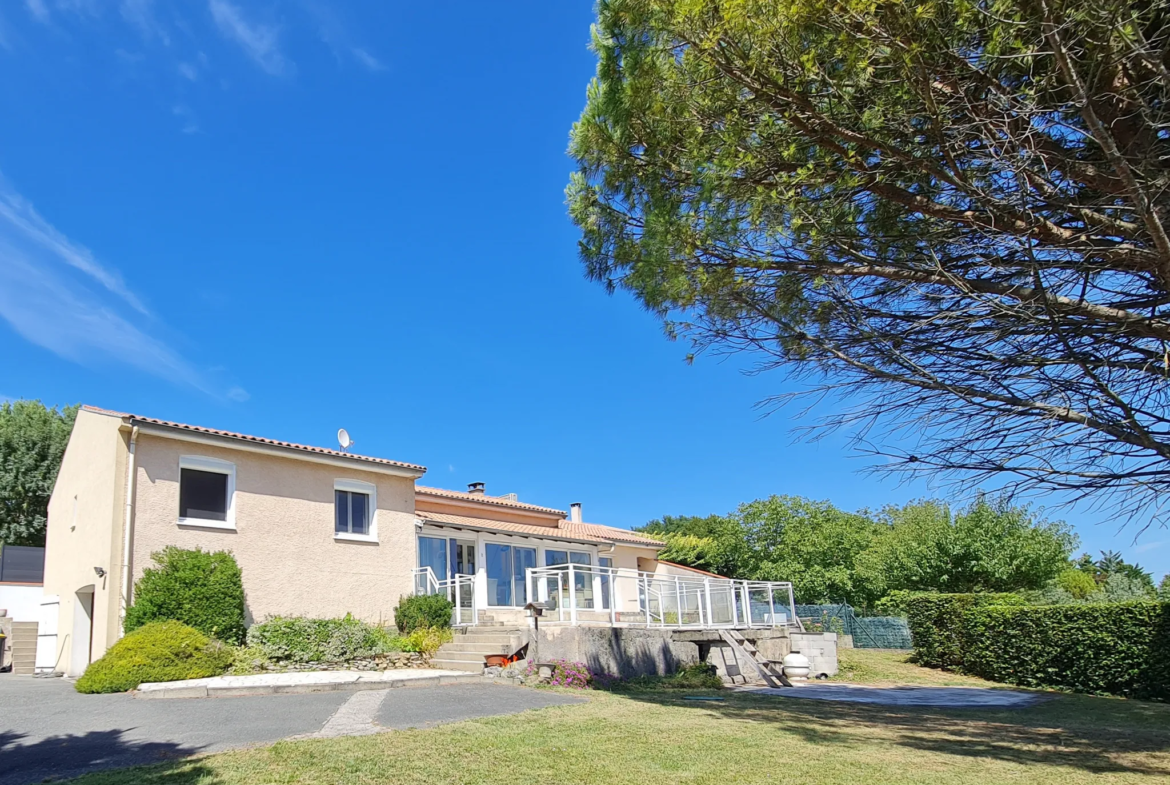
(659, 738)
(885, 667)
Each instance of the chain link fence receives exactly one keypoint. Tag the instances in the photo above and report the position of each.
(868, 632)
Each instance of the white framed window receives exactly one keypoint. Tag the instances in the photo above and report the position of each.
(355, 507)
(207, 492)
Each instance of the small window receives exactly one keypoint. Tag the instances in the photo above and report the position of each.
(352, 512)
(203, 495)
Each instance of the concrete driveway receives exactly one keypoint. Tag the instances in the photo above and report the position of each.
(49, 730)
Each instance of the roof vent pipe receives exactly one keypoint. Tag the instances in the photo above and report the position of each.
(476, 488)
(575, 512)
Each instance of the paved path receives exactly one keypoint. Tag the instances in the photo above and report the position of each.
(942, 697)
(49, 730)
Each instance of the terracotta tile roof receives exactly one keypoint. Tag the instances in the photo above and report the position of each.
(484, 524)
(497, 501)
(259, 440)
(564, 530)
(612, 534)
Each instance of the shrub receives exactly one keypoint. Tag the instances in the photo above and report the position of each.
(1121, 649)
(937, 626)
(300, 639)
(198, 588)
(160, 651)
(695, 676)
(426, 640)
(422, 610)
(1077, 583)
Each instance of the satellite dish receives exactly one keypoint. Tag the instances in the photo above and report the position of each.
(343, 439)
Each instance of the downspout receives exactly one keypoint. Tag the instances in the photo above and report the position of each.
(127, 533)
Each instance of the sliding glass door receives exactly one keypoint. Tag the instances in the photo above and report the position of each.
(507, 567)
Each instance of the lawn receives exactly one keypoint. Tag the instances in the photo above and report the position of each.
(882, 667)
(653, 738)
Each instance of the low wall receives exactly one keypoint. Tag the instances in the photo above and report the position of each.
(22, 600)
(619, 651)
(820, 648)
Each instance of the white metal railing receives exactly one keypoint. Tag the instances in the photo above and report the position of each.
(459, 590)
(579, 593)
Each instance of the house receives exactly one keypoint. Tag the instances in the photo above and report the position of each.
(322, 533)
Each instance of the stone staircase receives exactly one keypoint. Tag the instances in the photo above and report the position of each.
(472, 644)
(23, 647)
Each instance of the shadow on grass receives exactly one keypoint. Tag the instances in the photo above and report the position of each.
(71, 755)
(1093, 734)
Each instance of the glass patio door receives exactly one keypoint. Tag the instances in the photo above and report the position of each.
(506, 567)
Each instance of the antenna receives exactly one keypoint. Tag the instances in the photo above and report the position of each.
(344, 440)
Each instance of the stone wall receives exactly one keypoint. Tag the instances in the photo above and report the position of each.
(632, 651)
(620, 651)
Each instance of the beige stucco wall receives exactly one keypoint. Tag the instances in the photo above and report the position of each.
(84, 531)
(628, 557)
(283, 540)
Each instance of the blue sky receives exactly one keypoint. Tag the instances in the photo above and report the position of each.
(289, 216)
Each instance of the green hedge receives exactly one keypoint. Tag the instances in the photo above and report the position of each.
(937, 625)
(420, 611)
(1115, 648)
(1120, 649)
(299, 639)
(201, 589)
(162, 651)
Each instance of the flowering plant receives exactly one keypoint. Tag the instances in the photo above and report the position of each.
(575, 675)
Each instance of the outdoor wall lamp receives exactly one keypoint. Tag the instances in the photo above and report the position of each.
(100, 572)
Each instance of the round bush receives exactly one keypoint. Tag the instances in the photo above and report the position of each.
(162, 651)
(199, 588)
(422, 610)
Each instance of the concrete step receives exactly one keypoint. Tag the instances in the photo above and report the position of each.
(499, 629)
(491, 632)
(480, 648)
(462, 656)
(458, 665)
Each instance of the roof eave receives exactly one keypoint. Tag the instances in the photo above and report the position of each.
(508, 532)
(236, 442)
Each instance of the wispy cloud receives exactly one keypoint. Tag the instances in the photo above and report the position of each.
(189, 71)
(183, 112)
(1145, 547)
(17, 217)
(259, 41)
(38, 9)
(367, 59)
(55, 294)
(140, 15)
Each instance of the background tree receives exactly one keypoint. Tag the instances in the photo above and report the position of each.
(1111, 564)
(989, 546)
(831, 555)
(32, 441)
(715, 543)
(781, 538)
(954, 211)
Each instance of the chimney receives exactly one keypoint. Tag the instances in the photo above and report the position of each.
(475, 487)
(575, 512)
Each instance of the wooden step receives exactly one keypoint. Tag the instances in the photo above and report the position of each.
(764, 667)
